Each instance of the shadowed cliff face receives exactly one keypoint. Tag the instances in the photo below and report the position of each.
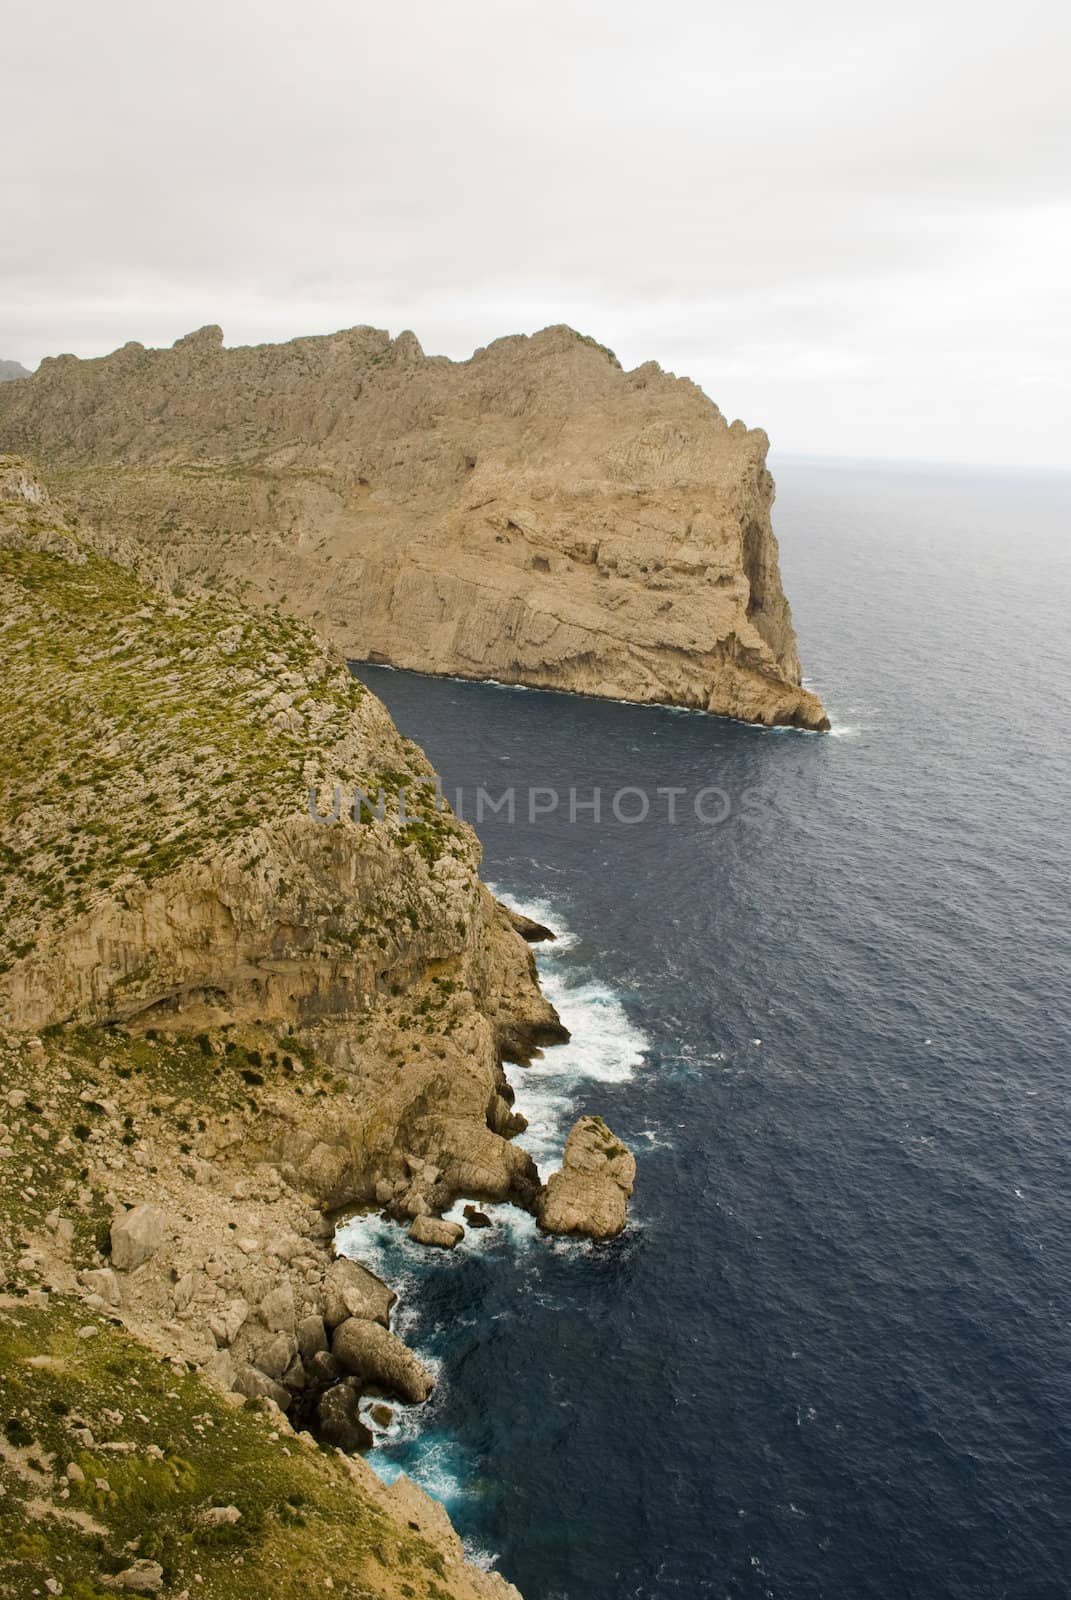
(535, 514)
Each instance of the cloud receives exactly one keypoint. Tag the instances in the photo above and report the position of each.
(829, 216)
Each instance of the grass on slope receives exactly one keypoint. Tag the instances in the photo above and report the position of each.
(108, 1455)
(138, 731)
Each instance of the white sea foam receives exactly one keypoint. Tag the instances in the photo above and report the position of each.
(510, 1227)
(604, 1047)
(545, 913)
(432, 1459)
(657, 1138)
(862, 722)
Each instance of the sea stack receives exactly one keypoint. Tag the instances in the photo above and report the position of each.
(590, 1194)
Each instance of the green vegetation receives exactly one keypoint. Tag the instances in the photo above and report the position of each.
(93, 1085)
(140, 732)
(74, 1510)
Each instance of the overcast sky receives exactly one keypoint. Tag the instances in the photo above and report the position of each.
(850, 224)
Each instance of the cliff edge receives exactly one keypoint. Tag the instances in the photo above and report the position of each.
(534, 514)
(230, 1004)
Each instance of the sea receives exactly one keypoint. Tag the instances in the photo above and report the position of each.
(822, 991)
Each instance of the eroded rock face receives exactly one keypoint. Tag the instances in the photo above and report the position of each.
(590, 1193)
(225, 900)
(535, 514)
(228, 995)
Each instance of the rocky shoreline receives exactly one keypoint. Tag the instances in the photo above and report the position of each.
(224, 1024)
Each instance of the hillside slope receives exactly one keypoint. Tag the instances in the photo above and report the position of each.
(221, 1019)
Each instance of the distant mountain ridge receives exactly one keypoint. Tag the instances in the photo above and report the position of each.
(13, 369)
(535, 514)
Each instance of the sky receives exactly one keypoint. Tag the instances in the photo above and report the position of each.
(850, 224)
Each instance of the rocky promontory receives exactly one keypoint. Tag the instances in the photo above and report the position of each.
(535, 514)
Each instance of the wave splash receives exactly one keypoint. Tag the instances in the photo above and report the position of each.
(604, 1047)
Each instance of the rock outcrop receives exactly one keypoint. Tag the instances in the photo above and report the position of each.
(534, 514)
(182, 881)
(590, 1194)
(352, 1291)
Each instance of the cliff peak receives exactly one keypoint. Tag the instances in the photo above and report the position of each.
(210, 337)
(534, 514)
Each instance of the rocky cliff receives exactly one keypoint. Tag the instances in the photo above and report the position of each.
(162, 861)
(248, 976)
(535, 514)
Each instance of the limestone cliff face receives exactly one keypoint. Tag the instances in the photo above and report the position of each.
(224, 1010)
(535, 514)
(162, 865)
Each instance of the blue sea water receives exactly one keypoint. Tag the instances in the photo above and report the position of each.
(831, 1356)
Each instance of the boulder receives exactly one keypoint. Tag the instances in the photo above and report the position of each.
(144, 1577)
(275, 1353)
(225, 1324)
(256, 1385)
(102, 1281)
(351, 1290)
(311, 1336)
(183, 1291)
(370, 1353)
(338, 1422)
(221, 1368)
(477, 1219)
(219, 1516)
(137, 1235)
(322, 1369)
(294, 1377)
(278, 1310)
(436, 1231)
(589, 1195)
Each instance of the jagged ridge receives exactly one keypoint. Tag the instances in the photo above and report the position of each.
(534, 514)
